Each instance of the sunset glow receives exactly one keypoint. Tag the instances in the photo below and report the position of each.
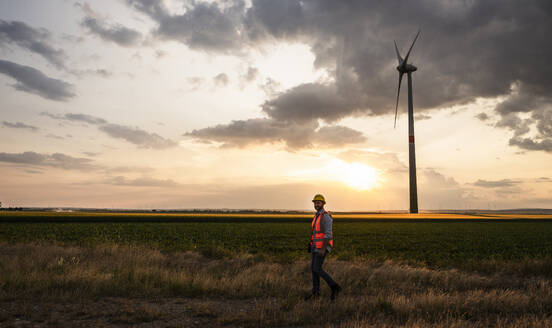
(359, 176)
(177, 104)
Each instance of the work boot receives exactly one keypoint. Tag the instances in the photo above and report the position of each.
(335, 291)
(312, 296)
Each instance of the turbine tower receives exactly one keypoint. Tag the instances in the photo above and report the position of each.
(405, 67)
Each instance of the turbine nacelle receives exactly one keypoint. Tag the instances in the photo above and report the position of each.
(406, 68)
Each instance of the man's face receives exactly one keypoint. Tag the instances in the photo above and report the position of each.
(318, 204)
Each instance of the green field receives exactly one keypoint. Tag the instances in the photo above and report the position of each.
(442, 242)
(252, 270)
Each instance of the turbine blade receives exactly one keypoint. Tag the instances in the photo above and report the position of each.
(398, 93)
(399, 58)
(408, 53)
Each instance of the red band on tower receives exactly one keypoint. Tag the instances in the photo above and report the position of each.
(411, 139)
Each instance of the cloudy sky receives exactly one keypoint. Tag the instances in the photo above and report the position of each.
(263, 103)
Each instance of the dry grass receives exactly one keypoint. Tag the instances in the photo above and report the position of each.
(122, 286)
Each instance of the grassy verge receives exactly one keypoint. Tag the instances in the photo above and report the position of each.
(252, 290)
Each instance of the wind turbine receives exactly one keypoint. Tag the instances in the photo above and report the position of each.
(405, 67)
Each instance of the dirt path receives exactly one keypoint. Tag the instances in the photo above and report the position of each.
(124, 312)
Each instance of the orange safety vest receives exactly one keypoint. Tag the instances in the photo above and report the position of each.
(317, 232)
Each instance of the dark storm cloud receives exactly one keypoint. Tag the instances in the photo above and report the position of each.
(32, 39)
(278, 19)
(134, 135)
(541, 119)
(513, 122)
(496, 183)
(466, 50)
(543, 139)
(204, 26)
(531, 144)
(116, 33)
(141, 138)
(522, 100)
(262, 130)
(57, 160)
(353, 39)
(307, 102)
(20, 125)
(241, 133)
(31, 80)
(507, 42)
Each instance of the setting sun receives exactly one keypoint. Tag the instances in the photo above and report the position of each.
(355, 175)
(358, 176)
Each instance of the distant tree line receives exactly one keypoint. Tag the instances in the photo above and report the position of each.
(11, 208)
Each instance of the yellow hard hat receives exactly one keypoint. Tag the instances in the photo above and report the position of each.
(319, 197)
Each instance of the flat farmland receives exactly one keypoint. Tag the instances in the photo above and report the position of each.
(452, 240)
(251, 270)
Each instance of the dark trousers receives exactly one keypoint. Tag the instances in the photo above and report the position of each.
(317, 272)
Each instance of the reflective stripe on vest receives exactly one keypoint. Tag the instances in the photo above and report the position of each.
(317, 235)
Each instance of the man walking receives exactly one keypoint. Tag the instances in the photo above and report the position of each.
(321, 243)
